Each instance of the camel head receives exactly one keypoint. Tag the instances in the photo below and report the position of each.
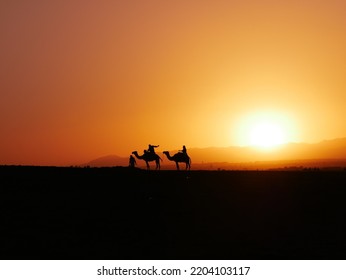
(166, 153)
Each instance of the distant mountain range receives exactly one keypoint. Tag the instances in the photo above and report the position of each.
(330, 151)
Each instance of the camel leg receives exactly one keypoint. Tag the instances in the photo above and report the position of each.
(176, 163)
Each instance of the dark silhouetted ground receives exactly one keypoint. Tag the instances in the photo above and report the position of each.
(119, 213)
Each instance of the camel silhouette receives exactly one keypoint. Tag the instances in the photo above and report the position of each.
(179, 157)
(147, 157)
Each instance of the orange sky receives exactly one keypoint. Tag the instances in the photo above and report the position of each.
(84, 79)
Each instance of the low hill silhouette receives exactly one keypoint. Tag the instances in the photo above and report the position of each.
(107, 161)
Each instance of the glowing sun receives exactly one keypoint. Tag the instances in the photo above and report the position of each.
(266, 129)
(266, 134)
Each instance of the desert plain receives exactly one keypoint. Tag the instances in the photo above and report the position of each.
(117, 213)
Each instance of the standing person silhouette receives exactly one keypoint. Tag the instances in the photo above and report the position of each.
(151, 148)
(132, 161)
(183, 150)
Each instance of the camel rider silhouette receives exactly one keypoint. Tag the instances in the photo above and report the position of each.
(151, 148)
(183, 150)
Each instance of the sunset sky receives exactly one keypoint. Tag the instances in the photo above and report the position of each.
(84, 79)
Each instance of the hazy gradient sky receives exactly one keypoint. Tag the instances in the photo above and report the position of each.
(83, 79)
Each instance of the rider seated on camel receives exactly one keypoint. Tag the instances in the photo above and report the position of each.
(151, 148)
(183, 150)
